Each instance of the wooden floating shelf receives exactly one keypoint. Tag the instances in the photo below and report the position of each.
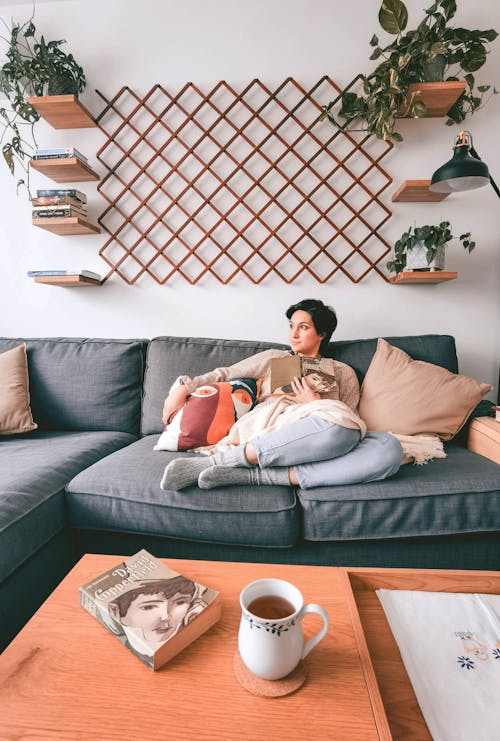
(66, 225)
(417, 191)
(416, 276)
(65, 170)
(63, 111)
(437, 96)
(67, 281)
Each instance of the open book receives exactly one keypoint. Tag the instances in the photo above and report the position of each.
(318, 372)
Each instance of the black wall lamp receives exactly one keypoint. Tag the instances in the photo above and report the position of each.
(465, 170)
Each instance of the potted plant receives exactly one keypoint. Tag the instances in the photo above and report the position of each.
(426, 53)
(423, 247)
(32, 66)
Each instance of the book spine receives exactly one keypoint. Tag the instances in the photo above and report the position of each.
(72, 192)
(56, 201)
(60, 152)
(60, 157)
(58, 213)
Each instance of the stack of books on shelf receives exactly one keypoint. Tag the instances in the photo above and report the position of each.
(59, 203)
(69, 277)
(60, 153)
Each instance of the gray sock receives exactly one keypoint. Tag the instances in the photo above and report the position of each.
(232, 457)
(214, 476)
(183, 472)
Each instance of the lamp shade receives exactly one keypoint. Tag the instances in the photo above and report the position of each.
(463, 171)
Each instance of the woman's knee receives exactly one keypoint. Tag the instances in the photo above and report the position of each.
(388, 451)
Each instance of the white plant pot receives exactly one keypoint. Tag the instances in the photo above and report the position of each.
(416, 258)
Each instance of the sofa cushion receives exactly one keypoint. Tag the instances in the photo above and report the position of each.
(34, 469)
(171, 357)
(408, 397)
(15, 412)
(84, 384)
(122, 493)
(457, 494)
(209, 413)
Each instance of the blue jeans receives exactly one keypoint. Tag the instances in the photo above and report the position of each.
(323, 453)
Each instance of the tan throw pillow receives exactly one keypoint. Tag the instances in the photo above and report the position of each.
(407, 396)
(15, 412)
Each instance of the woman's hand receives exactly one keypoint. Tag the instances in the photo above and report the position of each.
(303, 391)
(174, 402)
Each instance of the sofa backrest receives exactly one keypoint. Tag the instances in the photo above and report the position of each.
(84, 384)
(432, 348)
(170, 357)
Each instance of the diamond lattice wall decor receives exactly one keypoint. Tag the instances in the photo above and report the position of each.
(255, 182)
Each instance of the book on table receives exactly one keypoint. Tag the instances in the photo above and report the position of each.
(319, 373)
(152, 610)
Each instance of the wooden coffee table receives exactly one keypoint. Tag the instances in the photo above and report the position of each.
(64, 677)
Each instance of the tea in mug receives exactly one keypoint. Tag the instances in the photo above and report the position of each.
(271, 607)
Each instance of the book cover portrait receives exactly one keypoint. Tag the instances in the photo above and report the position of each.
(150, 608)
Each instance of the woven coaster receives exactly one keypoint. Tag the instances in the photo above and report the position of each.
(266, 687)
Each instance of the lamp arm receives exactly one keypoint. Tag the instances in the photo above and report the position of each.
(493, 184)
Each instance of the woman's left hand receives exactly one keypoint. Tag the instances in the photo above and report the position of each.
(303, 391)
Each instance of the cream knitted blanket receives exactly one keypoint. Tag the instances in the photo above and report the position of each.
(282, 411)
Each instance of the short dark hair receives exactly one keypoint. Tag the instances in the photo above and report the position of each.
(166, 587)
(323, 317)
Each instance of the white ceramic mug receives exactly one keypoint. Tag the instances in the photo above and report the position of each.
(272, 648)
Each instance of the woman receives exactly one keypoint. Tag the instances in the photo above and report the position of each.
(303, 439)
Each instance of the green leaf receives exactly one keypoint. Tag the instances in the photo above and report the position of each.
(483, 88)
(375, 53)
(373, 40)
(449, 7)
(418, 109)
(393, 16)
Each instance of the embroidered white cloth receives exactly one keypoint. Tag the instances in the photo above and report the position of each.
(450, 646)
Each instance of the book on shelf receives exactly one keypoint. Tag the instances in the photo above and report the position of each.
(152, 610)
(60, 212)
(319, 373)
(57, 152)
(58, 201)
(83, 273)
(70, 192)
(81, 207)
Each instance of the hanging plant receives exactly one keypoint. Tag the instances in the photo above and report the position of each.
(428, 53)
(33, 67)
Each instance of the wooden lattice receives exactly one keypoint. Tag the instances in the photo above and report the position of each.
(254, 182)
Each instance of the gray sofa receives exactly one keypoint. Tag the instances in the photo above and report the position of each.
(87, 480)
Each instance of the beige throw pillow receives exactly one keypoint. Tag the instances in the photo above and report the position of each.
(407, 396)
(15, 412)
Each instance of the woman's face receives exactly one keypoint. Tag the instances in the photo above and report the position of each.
(303, 337)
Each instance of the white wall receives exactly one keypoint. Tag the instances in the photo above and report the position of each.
(140, 43)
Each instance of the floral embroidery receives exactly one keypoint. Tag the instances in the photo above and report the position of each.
(465, 662)
(496, 653)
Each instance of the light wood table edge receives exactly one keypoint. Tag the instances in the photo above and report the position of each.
(378, 708)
